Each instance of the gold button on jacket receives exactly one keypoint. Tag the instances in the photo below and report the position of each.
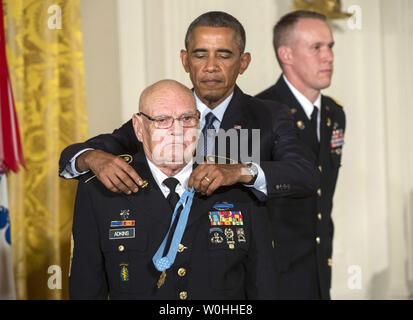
(181, 272)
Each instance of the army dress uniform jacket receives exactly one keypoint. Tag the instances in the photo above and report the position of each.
(303, 228)
(289, 170)
(116, 236)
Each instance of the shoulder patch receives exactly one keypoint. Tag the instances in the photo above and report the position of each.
(335, 101)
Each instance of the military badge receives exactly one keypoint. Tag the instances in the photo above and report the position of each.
(217, 235)
(226, 218)
(337, 137)
(214, 218)
(241, 235)
(300, 125)
(124, 223)
(223, 206)
(124, 214)
(229, 234)
(124, 272)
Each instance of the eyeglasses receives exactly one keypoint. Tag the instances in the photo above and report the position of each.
(165, 122)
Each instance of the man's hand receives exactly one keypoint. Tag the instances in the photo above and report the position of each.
(112, 171)
(206, 178)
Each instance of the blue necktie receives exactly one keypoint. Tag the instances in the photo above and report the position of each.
(209, 120)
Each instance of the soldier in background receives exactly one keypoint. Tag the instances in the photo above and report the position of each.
(303, 44)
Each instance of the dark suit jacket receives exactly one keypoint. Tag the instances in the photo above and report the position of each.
(289, 169)
(303, 227)
(107, 264)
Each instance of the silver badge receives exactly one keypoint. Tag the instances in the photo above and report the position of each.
(217, 238)
(241, 235)
(124, 214)
(217, 235)
(229, 234)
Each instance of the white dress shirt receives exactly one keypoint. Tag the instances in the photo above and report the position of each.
(219, 111)
(182, 176)
(306, 104)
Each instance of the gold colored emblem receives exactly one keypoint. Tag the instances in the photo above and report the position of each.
(300, 125)
(144, 184)
(330, 8)
(183, 295)
(181, 272)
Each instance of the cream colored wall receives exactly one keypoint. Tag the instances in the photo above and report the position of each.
(101, 60)
(129, 44)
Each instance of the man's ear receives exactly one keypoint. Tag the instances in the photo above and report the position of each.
(245, 61)
(137, 126)
(285, 55)
(184, 59)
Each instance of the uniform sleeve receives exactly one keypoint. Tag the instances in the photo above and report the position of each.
(120, 141)
(87, 274)
(292, 171)
(261, 282)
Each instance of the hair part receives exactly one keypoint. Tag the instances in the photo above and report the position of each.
(282, 30)
(218, 19)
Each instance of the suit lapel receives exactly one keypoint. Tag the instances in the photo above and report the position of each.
(237, 112)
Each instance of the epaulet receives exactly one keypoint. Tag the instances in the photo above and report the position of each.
(335, 101)
(127, 157)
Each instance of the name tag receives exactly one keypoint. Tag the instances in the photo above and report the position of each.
(126, 233)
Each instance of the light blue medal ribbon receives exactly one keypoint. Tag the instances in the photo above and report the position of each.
(163, 263)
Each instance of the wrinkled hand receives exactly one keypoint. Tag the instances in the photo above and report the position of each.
(206, 178)
(112, 171)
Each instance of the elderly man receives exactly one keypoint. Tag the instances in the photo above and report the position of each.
(214, 57)
(129, 247)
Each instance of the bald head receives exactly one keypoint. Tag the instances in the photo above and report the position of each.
(162, 92)
(167, 125)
